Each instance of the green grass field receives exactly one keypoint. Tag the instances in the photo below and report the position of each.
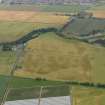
(53, 8)
(19, 82)
(46, 8)
(23, 86)
(98, 7)
(10, 31)
(63, 8)
(20, 86)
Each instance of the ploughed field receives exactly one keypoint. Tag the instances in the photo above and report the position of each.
(84, 26)
(88, 29)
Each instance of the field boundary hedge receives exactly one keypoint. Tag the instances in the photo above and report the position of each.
(31, 35)
(86, 84)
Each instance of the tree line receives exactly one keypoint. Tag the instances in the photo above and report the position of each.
(29, 36)
(86, 84)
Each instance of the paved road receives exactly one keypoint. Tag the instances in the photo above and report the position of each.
(65, 100)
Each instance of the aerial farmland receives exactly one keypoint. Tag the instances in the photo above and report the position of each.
(44, 46)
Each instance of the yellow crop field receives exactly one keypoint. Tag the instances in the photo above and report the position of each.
(98, 13)
(37, 17)
(15, 24)
(88, 96)
(53, 57)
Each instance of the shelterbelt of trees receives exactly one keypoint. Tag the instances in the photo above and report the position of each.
(86, 84)
(31, 35)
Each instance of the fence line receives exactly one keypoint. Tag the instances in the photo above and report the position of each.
(39, 86)
(7, 89)
(40, 95)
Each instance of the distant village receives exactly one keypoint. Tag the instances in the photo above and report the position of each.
(48, 1)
